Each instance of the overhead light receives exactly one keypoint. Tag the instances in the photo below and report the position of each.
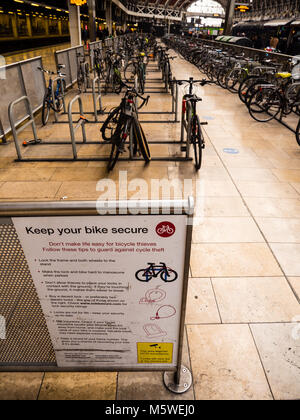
(34, 4)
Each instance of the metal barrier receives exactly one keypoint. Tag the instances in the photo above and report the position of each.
(68, 57)
(22, 79)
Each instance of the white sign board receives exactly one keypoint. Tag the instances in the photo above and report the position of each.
(110, 287)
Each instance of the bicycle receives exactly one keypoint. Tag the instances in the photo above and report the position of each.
(83, 73)
(113, 75)
(122, 124)
(153, 271)
(99, 63)
(56, 103)
(137, 67)
(191, 121)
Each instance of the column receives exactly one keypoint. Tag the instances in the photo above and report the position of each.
(75, 27)
(29, 28)
(14, 25)
(92, 20)
(229, 17)
(109, 16)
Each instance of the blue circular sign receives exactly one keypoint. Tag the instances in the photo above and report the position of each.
(231, 151)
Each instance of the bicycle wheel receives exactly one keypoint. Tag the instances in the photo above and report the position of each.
(168, 275)
(109, 127)
(298, 133)
(265, 105)
(140, 140)
(130, 72)
(114, 156)
(198, 141)
(143, 275)
(244, 87)
(46, 110)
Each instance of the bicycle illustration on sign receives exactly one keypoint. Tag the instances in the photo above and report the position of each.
(153, 271)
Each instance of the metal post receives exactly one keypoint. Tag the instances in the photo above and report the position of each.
(92, 20)
(229, 17)
(97, 97)
(75, 25)
(81, 123)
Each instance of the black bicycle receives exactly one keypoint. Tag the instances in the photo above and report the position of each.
(153, 271)
(53, 98)
(83, 73)
(191, 121)
(121, 124)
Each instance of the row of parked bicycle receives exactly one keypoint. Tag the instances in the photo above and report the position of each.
(116, 70)
(263, 86)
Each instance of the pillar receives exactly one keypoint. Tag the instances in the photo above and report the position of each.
(14, 25)
(29, 27)
(229, 17)
(109, 16)
(92, 20)
(75, 27)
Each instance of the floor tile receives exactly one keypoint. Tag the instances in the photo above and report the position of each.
(282, 230)
(223, 207)
(149, 385)
(201, 304)
(20, 386)
(233, 260)
(249, 174)
(273, 207)
(26, 174)
(266, 189)
(278, 346)
(287, 175)
(295, 282)
(255, 299)
(29, 190)
(227, 230)
(226, 364)
(79, 386)
(288, 256)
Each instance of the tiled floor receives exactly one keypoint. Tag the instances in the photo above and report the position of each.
(242, 322)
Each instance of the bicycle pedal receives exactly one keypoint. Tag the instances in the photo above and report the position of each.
(183, 148)
(204, 123)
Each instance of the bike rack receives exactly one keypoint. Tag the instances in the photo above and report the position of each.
(16, 131)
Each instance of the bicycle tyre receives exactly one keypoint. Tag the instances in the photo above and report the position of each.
(169, 270)
(112, 118)
(258, 111)
(143, 279)
(298, 133)
(198, 142)
(141, 141)
(113, 158)
(45, 111)
(130, 73)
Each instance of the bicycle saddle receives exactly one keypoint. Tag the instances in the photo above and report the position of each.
(284, 75)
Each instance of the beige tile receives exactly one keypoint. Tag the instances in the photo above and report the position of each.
(278, 346)
(273, 207)
(226, 364)
(201, 303)
(226, 230)
(223, 207)
(287, 175)
(28, 190)
(78, 190)
(285, 163)
(82, 175)
(26, 174)
(295, 282)
(79, 386)
(296, 185)
(288, 256)
(20, 386)
(237, 161)
(255, 299)
(252, 174)
(280, 229)
(207, 188)
(266, 189)
(233, 260)
(149, 385)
